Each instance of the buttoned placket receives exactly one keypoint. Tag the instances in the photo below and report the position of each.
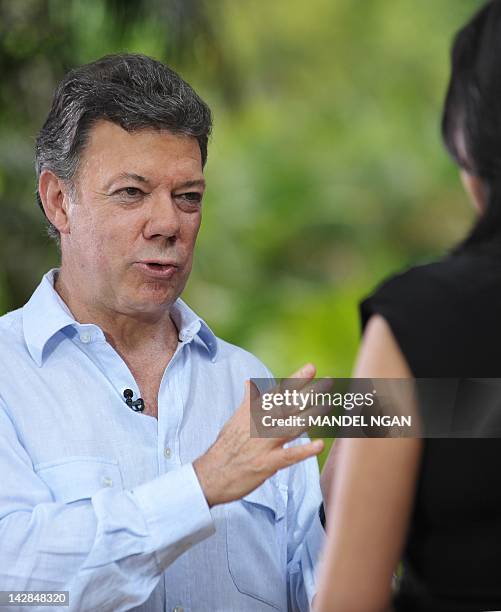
(170, 417)
(170, 412)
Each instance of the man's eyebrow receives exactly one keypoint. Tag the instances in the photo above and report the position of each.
(194, 183)
(127, 175)
(142, 179)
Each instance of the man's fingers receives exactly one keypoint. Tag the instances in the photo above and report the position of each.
(297, 380)
(308, 370)
(315, 397)
(287, 422)
(284, 457)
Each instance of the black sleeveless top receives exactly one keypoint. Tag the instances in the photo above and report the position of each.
(446, 318)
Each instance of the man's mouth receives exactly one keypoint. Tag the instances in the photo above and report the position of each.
(157, 269)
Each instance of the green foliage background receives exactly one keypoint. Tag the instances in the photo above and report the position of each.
(326, 171)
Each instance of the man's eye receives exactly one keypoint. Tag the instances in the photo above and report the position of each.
(129, 192)
(192, 197)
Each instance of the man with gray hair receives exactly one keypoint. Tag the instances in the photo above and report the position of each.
(129, 478)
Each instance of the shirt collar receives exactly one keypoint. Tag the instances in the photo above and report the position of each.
(45, 314)
(190, 325)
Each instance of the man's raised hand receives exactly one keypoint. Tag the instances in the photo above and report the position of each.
(236, 463)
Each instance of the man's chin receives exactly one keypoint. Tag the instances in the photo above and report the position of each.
(139, 303)
(152, 296)
(149, 295)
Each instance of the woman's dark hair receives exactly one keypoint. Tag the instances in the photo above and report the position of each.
(471, 122)
(133, 91)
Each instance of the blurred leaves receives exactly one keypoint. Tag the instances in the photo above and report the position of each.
(325, 171)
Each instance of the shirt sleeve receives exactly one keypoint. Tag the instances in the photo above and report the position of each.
(109, 550)
(305, 533)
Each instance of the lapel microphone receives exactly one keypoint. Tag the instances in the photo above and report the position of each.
(137, 405)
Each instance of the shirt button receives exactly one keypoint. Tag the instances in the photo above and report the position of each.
(178, 609)
(85, 337)
(167, 454)
(107, 482)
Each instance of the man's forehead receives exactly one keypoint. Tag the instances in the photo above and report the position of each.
(104, 134)
(139, 153)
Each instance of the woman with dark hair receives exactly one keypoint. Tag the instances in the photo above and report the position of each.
(435, 504)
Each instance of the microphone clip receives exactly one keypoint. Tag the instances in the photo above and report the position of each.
(137, 405)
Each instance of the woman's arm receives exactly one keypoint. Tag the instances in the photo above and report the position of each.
(372, 498)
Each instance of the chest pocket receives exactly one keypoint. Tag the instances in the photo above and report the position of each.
(256, 534)
(78, 478)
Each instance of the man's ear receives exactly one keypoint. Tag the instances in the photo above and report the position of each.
(54, 195)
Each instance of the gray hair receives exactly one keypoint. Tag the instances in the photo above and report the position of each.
(133, 91)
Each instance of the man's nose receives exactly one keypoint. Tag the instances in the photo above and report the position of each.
(162, 217)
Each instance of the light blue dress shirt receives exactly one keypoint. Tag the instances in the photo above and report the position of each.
(103, 502)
